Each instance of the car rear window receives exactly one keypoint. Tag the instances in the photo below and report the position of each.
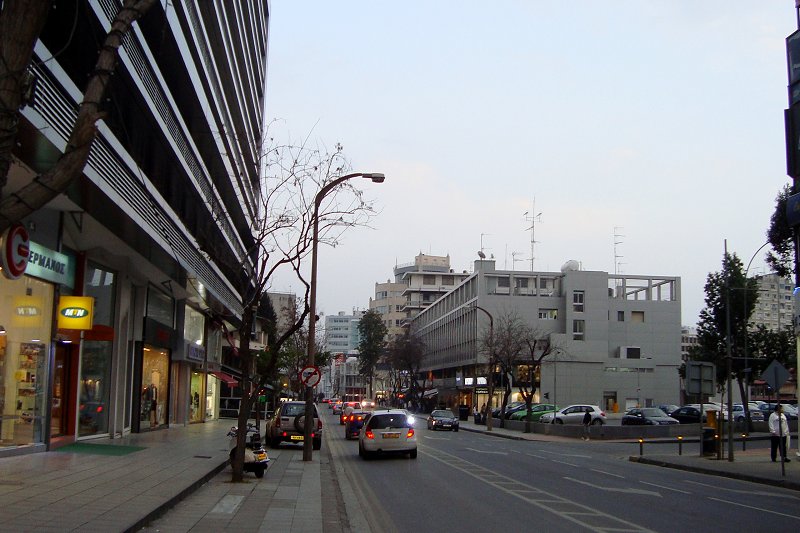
(386, 421)
(295, 409)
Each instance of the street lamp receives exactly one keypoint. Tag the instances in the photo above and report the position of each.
(488, 413)
(312, 321)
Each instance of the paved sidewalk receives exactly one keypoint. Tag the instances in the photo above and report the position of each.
(750, 465)
(71, 491)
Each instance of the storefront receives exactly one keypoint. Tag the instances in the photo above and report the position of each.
(27, 295)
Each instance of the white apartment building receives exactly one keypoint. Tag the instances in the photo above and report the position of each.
(775, 306)
(341, 332)
(285, 306)
(619, 335)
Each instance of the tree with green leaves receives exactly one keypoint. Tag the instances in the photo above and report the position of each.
(372, 332)
(730, 300)
(781, 237)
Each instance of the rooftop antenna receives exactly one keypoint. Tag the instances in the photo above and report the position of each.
(514, 259)
(533, 217)
(618, 241)
(482, 254)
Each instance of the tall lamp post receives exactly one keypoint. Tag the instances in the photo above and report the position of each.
(490, 382)
(312, 321)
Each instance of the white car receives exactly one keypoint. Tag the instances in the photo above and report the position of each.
(573, 414)
(387, 431)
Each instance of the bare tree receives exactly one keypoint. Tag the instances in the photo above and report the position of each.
(405, 355)
(283, 236)
(21, 22)
(538, 346)
(504, 346)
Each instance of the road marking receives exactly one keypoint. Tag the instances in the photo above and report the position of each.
(754, 508)
(564, 463)
(227, 504)
(588, 517)
(435, 438)
(487, 451)
(565, 454)
(611, 489)
(740, 491)
(666, 488)
(607, 473)
(534, 455)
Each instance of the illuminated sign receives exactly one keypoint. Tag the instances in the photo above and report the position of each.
(75, 312)
(15, 251)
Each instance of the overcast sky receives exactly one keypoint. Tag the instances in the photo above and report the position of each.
(661, 119)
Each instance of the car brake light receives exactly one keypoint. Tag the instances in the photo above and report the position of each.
(360, 418)
(602, 413)
(368, 433)
(352, 418)
(284, 434)
(319, 424)
(99, 408)
(410, 433)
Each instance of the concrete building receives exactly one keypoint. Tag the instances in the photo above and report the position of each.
(341, 332)
(688, 340)
(155, 231)
(775, 305)
(416, 286)
(618, 335)
(285, 306)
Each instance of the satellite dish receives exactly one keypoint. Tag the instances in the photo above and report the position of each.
(570, 265)
(481, 254)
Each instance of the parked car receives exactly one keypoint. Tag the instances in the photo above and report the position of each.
(756, 415)
(353, 424)
(647, 416)
(536, 412)
(668, 407)
(443, 419)
(288, 425)
(573, 414)
(790, 411)
(347, 408)
(688, 414)
(513, 405)
(387, 431)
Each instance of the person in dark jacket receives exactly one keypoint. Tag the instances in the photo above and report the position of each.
(587, 421)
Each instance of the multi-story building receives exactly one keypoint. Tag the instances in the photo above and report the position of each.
(688, 340)
(617, 336)
(416, 286)
(285, 306)
(341, 332)
(155, 231)
(775, 304)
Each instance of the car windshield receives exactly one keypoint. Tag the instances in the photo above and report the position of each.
(442, 414)
(653, 412)
(389, 420)
(294, 409)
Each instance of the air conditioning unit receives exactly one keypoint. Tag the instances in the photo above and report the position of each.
(630, 352)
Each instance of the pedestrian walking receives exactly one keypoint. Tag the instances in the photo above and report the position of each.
(778, 434)
(587, 421)
(476, 414)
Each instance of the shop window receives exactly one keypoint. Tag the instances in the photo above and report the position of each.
(160, 307)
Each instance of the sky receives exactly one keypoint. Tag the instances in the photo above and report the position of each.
(654, 125)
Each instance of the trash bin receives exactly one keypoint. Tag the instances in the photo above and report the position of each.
(463, 412)
(709, 444)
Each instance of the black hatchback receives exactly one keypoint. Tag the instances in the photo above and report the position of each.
(443, 419)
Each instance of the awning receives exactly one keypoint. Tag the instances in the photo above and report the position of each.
(227, 378)
(430, 392)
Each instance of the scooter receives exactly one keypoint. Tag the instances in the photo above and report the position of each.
(256, 459)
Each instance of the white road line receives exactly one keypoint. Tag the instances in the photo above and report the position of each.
(755, 508)
(487, 451)
(665, 488)
(565, 454)
(745, 491)
(537, 456)
(607, 473)
(564, 463)
(612, 489)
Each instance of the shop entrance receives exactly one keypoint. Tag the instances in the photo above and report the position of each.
(155, 387)
(62, 415)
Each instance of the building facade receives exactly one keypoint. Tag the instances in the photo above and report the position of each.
(775, 304)
(155, 230)
(617, 336)
(341, 332)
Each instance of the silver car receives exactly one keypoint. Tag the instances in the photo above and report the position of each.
(387, 431)
(573, 414)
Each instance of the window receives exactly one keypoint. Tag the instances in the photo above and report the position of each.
(620, 316)
(578, 327)
(637, 316)
(503, 282)
(521, 283)
(447, 280)
(429, 279)
(577, 301)
(548, 314)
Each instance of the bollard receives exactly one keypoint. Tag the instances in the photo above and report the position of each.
(680, 444)
(744, 441)
(641, 447)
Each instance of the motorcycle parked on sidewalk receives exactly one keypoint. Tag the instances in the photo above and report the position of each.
(256, 459)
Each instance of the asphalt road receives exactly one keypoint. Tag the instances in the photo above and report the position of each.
(473, 482)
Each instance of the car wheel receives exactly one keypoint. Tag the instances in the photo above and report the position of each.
(740, 419)
(360, 450)
(455, 429)
(559, 421)
(413, 453)
(316, 444)
(597, 422)
(259, 471)
(275, 443)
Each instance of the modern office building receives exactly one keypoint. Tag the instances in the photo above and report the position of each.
(155, 231)
(618, 336)
(341, 332)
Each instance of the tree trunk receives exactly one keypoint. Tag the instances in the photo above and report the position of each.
(70, 165)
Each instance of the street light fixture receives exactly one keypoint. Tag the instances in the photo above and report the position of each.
(488, 413)
(375, 177)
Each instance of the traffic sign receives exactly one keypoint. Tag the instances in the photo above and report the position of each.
(775, 375)
(310, 376)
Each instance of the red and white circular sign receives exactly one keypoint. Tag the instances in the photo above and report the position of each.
(310, 376)
(16, 251)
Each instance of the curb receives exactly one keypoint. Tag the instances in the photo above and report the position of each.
(783, 483)
(166, 506)
(492, 433)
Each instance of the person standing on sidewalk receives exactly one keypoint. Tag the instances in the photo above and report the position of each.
(778, 432)
(587, 421)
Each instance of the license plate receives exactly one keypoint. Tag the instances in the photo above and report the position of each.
(296, 437)
(261, 456)
(391, 435)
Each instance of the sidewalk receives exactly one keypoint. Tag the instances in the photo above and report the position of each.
(89, 489)
(750, 465)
